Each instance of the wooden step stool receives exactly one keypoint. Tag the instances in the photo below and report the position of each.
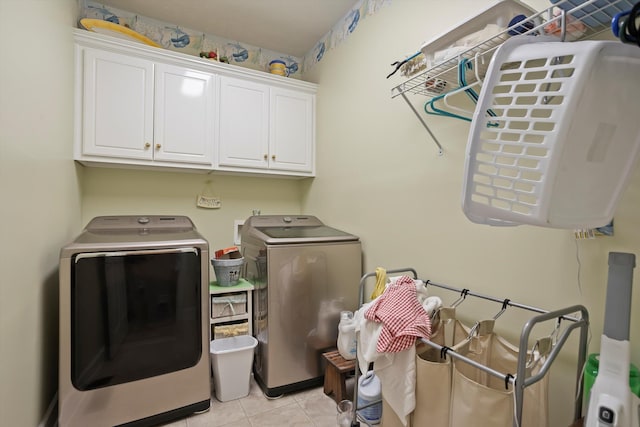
(335, 375)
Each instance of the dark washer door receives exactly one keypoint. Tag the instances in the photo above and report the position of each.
(134, 315)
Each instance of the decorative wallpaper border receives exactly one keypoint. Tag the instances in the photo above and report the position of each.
(192, 42)
(341, 30)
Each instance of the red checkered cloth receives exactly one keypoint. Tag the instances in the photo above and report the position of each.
(402, 316)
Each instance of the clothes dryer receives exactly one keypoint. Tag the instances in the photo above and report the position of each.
(134, 322)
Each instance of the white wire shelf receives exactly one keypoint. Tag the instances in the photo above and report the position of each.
(571, 21)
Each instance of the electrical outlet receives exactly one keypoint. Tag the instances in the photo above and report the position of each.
(208, 202)
(592, 233)
(237, 230)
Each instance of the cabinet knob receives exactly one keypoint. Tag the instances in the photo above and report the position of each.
(266, 157)
(273, 157)
(147, 145)
(158, 146)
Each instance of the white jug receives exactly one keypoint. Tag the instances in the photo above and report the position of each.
(347, 336)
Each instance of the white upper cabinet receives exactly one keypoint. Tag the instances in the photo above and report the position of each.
(244, 124)
(184, 115)
(117, 117)
(292, 130)
(135, 109)
(141, 106)
(265, 128)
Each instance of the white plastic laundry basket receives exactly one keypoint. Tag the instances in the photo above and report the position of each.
(561, 136)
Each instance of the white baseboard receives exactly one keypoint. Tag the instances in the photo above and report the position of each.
(50, 418)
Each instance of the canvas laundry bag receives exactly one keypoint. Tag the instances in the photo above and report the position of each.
(433, 379)
(452, 393)
(480, 399)
(433, 374)
(433, 392)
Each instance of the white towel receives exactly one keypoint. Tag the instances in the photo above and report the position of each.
(431, 304)
(367, 334)
(396, 371)
(398, 381)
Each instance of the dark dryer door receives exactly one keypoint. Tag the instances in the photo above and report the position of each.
(134, 315)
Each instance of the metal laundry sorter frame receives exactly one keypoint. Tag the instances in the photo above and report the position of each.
(520, 380)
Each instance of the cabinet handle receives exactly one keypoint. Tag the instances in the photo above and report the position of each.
(273, 157)
(158, 146)
(147, 145)
(266, 157)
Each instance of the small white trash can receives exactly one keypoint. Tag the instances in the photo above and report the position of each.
(231, 360)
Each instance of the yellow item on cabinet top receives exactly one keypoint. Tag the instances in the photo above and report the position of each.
(115, 30)
(278, 67)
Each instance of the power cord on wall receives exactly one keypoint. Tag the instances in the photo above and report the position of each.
(584, 365)
(589, 234)
(579, 267)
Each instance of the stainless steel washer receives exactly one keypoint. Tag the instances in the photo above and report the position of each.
(304, 274)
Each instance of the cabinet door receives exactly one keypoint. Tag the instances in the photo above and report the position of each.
(244, 124)
(117, 119)
(184, 115)
(292, 131)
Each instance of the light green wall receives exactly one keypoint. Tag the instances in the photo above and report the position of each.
(109, 191)
(40, 207)
(379, 176)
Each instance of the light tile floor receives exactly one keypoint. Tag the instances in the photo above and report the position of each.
(307, 408)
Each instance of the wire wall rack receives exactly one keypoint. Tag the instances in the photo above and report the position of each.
(568, 20)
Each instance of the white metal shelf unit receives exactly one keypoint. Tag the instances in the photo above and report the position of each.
(573, 18)
(576, 316)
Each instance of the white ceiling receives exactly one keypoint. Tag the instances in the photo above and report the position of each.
(287, 26)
